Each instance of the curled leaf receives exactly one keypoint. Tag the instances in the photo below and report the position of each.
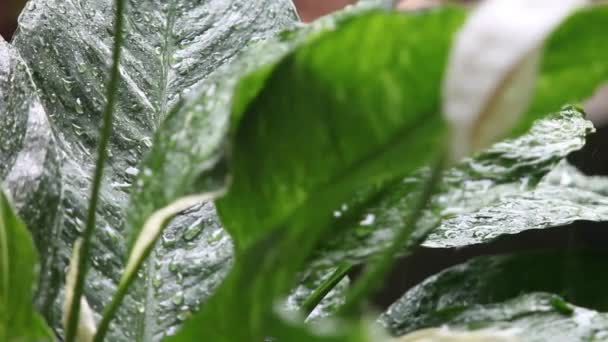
(86, 323)
(493, 66)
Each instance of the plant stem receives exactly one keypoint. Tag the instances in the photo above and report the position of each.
(102, 153)
(320, 292)
(110, 310)
(376, 272)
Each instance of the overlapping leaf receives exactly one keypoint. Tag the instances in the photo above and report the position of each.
(312, 137)
(170, 48)
(481, 198)
(472, 206)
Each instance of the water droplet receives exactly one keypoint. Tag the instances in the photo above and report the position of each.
(67, 84)
(192, 231)
(173, 267)
(132, 171)
(168, 239)
(178, 298)
(184, 315)
(157, 280)
(79, 108)
(368, 220)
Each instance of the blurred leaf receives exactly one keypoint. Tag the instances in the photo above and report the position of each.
(487, 292)
(171, 47)
(18, 272)
(310, 138)
(573, 64)
(493, 67)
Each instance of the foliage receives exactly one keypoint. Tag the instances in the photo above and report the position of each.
(18, 321)
(269, 158)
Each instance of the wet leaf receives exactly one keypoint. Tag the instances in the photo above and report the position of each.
(511, 187)
(503, 292)
(504, 169)
(564, 196)
(29, 166)
(18, 272)
(170, 49)
(531, 317)
(283, 195)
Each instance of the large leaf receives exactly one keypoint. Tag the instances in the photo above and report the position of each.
(493, 192)
(170, 48)
(564, 196)
(531, 317)
(18, 271)
(457, 293)
(312, 137)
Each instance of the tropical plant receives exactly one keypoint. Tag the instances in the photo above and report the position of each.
(216, 170)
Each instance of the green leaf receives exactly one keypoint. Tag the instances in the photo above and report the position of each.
(331, 129)
(188, 152)
(509, 188)
(170, 49)
(312, 137)
(473, 293)
(18, 272)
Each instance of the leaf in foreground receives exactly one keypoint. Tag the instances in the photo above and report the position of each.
(335, 136)
(493, 67)
(18, 273)
(508, 168)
